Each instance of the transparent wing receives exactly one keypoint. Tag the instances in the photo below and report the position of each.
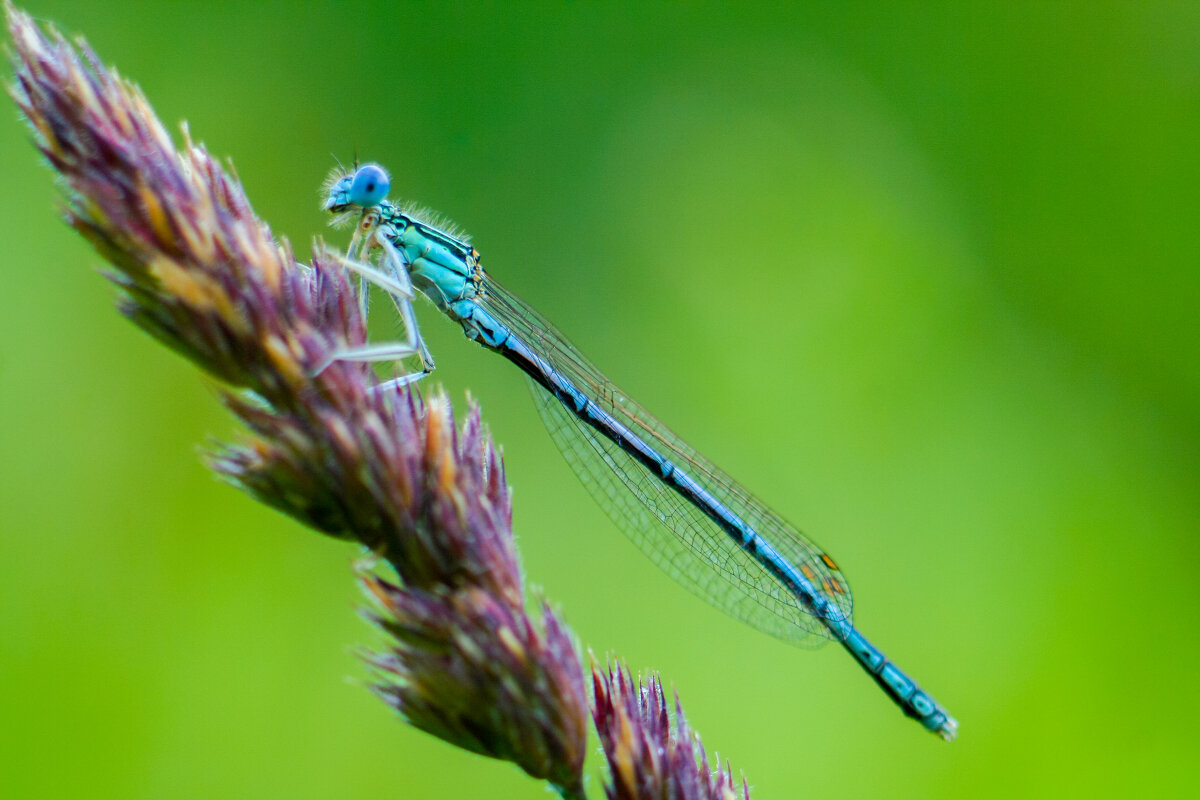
(676, 535)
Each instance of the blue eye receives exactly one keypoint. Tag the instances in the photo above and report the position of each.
(370, 186)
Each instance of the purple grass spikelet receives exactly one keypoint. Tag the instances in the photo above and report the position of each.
(469, 668)
(649, 758)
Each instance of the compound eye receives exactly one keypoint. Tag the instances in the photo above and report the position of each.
(370, 186)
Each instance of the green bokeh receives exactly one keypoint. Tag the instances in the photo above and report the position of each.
(927, 280)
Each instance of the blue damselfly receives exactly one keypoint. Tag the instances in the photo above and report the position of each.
(693, 520)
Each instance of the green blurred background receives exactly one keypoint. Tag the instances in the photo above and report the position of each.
(925, 279)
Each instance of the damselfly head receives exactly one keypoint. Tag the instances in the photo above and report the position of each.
(366, 187)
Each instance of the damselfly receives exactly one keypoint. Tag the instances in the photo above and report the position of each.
(693, 520)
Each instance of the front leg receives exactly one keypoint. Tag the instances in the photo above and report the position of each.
(398, 266)
(396, 283)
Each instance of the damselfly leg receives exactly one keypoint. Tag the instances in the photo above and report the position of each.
(392, 278)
